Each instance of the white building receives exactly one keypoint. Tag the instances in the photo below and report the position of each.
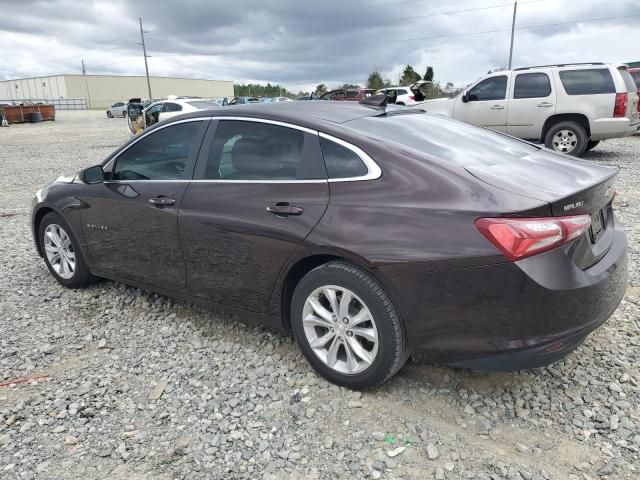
(100, 91)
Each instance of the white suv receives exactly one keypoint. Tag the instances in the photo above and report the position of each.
(569, 108)
(404, 95)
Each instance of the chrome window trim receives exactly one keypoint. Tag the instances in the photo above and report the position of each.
(373, 170)
(110, 163)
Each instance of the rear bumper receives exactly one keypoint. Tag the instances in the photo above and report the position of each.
(510, 316)
(604, 128)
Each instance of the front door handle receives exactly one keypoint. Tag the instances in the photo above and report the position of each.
(497, 107)
(162, 201)
(545, 104)
(283, 209)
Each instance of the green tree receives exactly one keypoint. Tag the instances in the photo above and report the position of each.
(428, 75)
(375, 80)
(349, 86)
(409, 76)
(321, 88)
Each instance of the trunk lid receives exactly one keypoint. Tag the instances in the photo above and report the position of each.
(570, 186)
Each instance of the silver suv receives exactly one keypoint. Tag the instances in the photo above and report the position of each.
(569, 108)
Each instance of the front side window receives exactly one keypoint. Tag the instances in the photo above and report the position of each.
(591, 81)
(532, 85)
(341, 162)
(161, 155)
(494, 88)
(244, 150)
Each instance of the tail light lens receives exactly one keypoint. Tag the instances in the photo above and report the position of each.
(519, 238)
(620, 108)
(412, 97)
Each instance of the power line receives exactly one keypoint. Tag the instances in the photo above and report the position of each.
(430, 37)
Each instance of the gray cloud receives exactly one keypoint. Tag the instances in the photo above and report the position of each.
(300, 44)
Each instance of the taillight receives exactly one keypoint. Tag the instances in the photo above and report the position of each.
(620, 108)
(412, 97)
(638, 105)
(519, 238)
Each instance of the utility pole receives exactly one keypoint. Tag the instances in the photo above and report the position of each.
(144, 52)
(513, 28)
(86, 83)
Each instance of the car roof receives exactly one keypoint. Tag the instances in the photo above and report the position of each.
(310, 113)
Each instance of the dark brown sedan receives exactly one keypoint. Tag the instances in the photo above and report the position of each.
(372, 233)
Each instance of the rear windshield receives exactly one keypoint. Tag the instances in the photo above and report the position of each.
(587, 82)
(628, 80)
(458, 142)
(202, 104)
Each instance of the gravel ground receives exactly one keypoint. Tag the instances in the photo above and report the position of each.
(127, 384)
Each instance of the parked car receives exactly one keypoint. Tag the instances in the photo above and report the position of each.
(569, 108)
(118, 109)
(221, 102)
(311, 96)
(244, 100)
(282, 99)
(141, 117)
(405, 95)
(635, 74)
(373, 234)
(354, 95)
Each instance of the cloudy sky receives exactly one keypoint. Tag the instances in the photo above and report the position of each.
(300, 44)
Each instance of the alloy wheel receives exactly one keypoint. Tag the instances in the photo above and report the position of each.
(565, 141)
(340, 329)
(59, 251)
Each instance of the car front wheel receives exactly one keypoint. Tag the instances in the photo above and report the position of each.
(62, 254)
(347, 327)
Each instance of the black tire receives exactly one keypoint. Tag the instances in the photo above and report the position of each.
(82, 277)
(591, 144)
(392, 351)
(109, 114)
(124, 114)
(576, 133)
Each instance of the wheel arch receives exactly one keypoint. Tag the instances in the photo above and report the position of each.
(303, 265)
(37, 220)
(566, 117)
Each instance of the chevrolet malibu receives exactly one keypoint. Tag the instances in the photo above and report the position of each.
(372, 233)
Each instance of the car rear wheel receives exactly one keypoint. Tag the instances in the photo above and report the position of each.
(62, 254)
(567, 137)
(347, 327)
(109, 114)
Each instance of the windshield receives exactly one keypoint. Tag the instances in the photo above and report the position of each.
(202, 104)
(448, 139)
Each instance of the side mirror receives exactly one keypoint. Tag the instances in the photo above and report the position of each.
(92, 175)
(465, 97)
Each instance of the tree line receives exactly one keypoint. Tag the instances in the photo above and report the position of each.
(375, 81)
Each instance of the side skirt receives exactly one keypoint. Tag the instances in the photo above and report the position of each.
(273, 320)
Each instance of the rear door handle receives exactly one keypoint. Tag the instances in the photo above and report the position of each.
(497, 107)
(545, 104)
(283, 209)
(162, 201)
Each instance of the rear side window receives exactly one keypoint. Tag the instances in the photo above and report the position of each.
(401, 91)
(251, 151)
(532, 85)
(628, 80)
(352, 93)
(587, 82)
(341, 162)
(171, 107)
